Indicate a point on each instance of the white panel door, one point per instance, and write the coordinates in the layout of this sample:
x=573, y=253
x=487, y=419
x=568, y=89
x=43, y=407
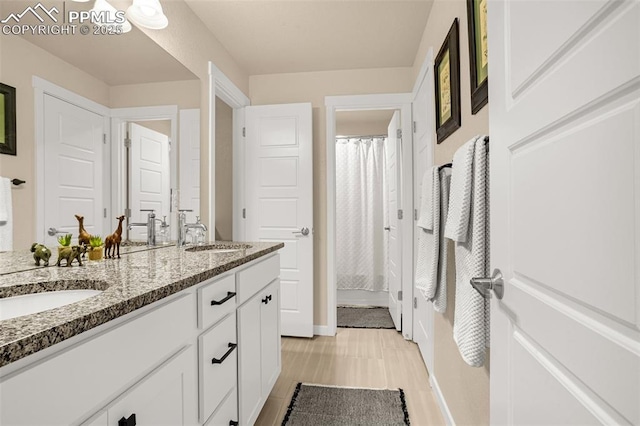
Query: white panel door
x=73, y=169
x=189, y=146
x=395, y=245
x=422, y=161
x=565, y=211
x=149, y=176
x=279, y=202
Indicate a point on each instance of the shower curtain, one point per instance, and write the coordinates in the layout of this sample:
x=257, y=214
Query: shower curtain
x=361, y=214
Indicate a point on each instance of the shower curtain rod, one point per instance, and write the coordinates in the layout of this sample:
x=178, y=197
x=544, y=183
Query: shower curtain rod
x=362, y=137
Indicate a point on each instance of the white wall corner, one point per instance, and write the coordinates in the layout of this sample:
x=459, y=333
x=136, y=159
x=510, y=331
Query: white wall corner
x=322, y=330
x=442, y=403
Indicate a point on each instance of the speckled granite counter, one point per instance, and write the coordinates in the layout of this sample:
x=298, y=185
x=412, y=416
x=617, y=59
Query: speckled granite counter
x=136, y=280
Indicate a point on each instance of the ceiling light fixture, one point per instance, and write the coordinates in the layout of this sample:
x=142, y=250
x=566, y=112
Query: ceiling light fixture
x=147, y=14
x=110, y=12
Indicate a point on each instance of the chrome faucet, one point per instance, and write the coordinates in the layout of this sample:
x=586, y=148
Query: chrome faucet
x=183, y=226
x=150, y=224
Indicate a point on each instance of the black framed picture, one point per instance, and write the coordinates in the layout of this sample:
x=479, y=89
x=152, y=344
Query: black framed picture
x=447, y=79
x=478, y=53
x=7, y=119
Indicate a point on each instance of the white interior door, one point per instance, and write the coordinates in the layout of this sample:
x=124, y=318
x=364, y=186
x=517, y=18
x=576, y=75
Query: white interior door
x=73, y=169
x=423, y=312
x=279, y=202
x=395, y=246
x=189, y=147
x=565, y=211
x=149, y=176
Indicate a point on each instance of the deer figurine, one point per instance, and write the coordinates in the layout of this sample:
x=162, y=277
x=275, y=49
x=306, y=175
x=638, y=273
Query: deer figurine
x=83, y=235
x=113, y=241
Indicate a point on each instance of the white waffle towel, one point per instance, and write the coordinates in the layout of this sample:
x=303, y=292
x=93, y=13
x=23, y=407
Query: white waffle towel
x=6, y=215
x=428, y=235
x=470, y=327
x=440, y=299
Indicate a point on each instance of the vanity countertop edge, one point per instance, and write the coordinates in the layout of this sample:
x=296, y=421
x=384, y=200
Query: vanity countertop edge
x=130, y=283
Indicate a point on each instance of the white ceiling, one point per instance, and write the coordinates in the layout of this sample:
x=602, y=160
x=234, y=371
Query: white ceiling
x=130, y=58
x=263, y=36
x=266, y=36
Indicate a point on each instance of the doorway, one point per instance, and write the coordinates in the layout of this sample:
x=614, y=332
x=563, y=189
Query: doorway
x=399, y=207
x=363, y=228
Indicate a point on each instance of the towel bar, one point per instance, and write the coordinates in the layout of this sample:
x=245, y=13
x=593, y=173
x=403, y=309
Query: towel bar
x=17, y=182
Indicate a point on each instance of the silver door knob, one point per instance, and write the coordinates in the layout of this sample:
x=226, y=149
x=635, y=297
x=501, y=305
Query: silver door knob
x=303, y=231
x=53, y=232
x=495, y=283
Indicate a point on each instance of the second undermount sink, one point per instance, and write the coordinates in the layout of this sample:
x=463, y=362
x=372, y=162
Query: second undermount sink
x=45, y=296
x=220, y=247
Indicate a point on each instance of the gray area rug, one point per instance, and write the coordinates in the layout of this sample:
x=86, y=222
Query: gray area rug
x=334, y=406
x=364, y=317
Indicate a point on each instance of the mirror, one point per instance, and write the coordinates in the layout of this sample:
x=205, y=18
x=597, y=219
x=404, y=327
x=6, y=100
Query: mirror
x=112, y=71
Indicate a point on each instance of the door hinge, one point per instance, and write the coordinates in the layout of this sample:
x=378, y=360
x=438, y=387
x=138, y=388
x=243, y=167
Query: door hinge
x=104, y=138
x=399, y=133
x=244, y=213
x=414, y=127
x=399, y=295
x=415, y=214
x=127, y=213
x=400, y=214
x=127, y=142
x=105, y=212
x=415, y=303
x=244, y=132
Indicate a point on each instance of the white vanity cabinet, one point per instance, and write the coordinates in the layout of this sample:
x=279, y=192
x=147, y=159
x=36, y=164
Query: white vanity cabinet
x=258, y=338
x=208, y=355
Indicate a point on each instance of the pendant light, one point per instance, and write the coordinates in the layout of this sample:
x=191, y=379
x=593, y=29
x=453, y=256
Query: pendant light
x=110, y=11
x=147, y=14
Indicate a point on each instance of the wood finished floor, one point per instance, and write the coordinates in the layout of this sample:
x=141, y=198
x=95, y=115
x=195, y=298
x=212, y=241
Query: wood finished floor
x=369, y=358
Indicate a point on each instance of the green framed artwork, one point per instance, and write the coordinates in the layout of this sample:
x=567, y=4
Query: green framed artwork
x=447, y=84
x=478, y=53
x=7, y=119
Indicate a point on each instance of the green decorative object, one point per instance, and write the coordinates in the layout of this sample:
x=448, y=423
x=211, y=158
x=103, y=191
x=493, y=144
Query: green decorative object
x=95, y=251
x=40, y=252
x=65, y=240
x=70, y=254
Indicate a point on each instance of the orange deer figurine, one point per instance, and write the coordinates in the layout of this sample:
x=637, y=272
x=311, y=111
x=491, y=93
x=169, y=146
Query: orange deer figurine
x=83, y=235
x=113, y=241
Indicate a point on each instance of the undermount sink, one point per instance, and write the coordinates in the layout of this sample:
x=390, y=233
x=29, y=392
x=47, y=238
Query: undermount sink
x=34, y=298
x=220, y=248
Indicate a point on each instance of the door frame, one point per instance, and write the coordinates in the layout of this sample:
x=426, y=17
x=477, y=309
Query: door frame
x=43, y=87
x=393, y=101
x=221, y=86
x=119, y=118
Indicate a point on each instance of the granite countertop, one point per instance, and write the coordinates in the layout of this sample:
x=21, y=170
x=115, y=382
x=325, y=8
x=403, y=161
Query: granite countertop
x=136, y=280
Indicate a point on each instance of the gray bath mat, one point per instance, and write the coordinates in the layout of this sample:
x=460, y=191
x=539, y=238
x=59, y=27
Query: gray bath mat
x=364, y=317
x=313, y=405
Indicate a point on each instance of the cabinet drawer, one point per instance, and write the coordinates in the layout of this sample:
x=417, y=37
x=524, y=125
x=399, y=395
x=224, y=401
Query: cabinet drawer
x=227, y=412
x=218, y=365
x=216, y=300
x=256, y=277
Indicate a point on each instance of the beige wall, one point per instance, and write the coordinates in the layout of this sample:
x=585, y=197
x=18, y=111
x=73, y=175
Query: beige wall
x=465, y=388
x=313, y=87
x=224, y=171
x=185, y=94
x=362, y=123
x=19, y=62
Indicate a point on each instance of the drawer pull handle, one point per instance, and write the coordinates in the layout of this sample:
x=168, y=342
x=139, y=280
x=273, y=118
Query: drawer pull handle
x=230, y=295
x=131, y=421
x=266, y=300
x=232, y=346
x=233, y=423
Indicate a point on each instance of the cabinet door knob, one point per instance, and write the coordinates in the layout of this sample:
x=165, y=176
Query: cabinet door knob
x=230, y=295
x=232, y=346
x=265, y=300
x=233, y=423
x=131, y=421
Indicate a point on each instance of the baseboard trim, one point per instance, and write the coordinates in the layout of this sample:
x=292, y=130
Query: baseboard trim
x=442, y=403
x=321, y=330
